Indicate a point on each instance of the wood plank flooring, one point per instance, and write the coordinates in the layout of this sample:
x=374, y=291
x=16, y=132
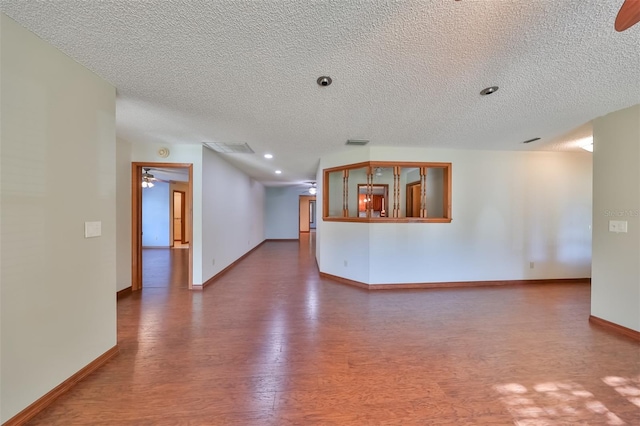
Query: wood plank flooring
x=271, y=343
x=165, y=267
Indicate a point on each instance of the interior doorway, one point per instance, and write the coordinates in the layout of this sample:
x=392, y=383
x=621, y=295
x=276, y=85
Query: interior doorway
x=306, y=213
x=413, y=199
x=179, y=222
x=312, y=214
x=186, y=214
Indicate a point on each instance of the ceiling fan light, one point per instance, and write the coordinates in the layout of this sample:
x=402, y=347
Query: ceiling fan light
x=313, y=190
x=146, y=181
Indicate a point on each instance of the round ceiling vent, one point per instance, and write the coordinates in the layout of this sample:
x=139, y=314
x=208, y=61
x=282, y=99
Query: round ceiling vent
x=163, y=152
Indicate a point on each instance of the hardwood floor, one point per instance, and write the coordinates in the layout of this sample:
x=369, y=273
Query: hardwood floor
x=165, y=267
x=271, y=343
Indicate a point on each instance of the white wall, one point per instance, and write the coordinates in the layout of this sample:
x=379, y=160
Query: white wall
x=615, y=285
x=355, y=176
x=509, y=209
x=335, y=195
x=58, y=308
x=123, y=215
x=319, y=212
x=344, y=250
x=435, y=192
x=155, y=215
x=233, y=213
x=281, y=212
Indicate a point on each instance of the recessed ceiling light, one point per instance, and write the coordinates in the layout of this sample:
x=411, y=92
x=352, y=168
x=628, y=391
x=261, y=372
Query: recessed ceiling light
x=268, y=156
x=489, y=90
x=531, y=140
x=324, y=80
x=278, y=172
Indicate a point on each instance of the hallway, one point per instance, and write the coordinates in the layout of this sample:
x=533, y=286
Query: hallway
x=271, y=343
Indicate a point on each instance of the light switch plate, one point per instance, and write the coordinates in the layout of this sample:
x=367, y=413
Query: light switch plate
x=617, y=226
x=92, y=229
x=622, y=226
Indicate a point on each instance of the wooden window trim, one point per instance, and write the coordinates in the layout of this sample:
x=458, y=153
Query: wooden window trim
x=372, y=165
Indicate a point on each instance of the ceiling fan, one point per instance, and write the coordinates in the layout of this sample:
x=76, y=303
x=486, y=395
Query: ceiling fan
x=313, y=190
x=310, y=188
x=147, y=178
x=628, y=16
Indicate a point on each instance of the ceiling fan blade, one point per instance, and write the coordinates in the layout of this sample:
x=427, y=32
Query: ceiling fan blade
x=628, y=16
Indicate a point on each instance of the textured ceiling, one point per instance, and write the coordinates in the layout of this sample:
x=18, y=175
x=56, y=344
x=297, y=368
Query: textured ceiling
x=405, y=73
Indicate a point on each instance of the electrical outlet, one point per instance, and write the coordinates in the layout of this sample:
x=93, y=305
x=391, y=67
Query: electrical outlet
x=531, y=265
x=213, y=261
x=346, y=263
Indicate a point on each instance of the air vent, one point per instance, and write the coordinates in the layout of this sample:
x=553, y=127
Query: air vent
x=357, y=142
x=531, y=140
x=229, y=148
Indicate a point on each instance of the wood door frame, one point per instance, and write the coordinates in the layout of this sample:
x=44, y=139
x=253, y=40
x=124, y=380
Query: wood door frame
x=183, y=211
x=304, y=200
x=409, y=198
x=136, y=219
